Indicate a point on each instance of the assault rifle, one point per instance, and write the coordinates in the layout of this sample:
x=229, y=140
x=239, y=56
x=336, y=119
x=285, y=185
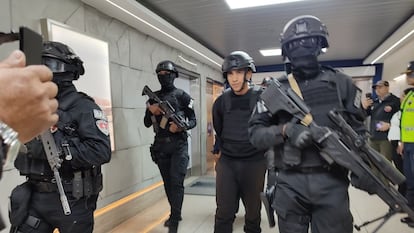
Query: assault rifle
x=55, y=163
x=169, y=111
x=345, y=148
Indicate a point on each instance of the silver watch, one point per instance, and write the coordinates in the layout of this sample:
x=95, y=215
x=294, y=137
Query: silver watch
x=11, y=144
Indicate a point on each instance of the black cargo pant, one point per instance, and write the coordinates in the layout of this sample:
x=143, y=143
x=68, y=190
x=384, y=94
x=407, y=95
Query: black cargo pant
x=235, y=180
x=316, y=199
x=172, y=160
x=46, y=214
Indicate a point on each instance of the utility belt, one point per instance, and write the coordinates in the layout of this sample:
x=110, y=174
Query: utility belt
x=335, y=170
x=49, y=187
x=163, y=139
x=308, y=170
x=169, y=139
x=83, y=184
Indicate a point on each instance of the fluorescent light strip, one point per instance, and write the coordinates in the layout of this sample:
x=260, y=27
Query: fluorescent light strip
x=166, y=34
x=271, y=52
x=400, y=78
x=237, y=4
x=393, y=46
x=189, y=62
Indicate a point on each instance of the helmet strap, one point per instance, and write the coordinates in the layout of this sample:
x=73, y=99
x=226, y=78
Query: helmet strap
x=244, y=81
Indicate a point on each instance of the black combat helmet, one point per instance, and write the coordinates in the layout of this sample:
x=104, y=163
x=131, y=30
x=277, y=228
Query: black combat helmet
x=307, y=31
x=237, y=60
x=168, y=66
x=61, y=59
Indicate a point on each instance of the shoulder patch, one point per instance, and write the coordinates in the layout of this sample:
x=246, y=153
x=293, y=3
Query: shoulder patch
x=103, y=126
x=191, y=104
x=261, y=107
x=101, y=121
x=357, y=99
x=99, y=114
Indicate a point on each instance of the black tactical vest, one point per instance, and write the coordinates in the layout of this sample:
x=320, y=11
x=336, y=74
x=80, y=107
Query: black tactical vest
x=34, y=164
x=321, y=95
x=237, y=111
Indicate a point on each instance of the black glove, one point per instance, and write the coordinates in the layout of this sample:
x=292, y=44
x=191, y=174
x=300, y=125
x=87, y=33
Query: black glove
x=298, y=135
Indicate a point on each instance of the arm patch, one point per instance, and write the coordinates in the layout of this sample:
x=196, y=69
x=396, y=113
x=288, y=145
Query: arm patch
x=357, y=99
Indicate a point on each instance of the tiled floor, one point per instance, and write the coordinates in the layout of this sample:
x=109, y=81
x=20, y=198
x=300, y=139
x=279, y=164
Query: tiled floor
x=198, y=216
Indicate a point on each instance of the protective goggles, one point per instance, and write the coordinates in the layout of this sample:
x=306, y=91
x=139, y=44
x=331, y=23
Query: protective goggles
x=307, y=42
x=55, y=65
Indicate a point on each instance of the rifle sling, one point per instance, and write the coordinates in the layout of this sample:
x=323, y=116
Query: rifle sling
x=307, y=120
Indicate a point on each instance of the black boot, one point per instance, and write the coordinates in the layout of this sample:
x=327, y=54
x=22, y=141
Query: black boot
x=172, y=227
x=168, y=221
x=408, y=221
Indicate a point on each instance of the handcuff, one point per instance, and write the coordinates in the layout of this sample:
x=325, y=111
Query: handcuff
x=9, y=145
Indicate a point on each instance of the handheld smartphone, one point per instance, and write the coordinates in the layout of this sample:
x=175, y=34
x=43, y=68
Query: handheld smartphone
x=368, y=95
x=31, y=45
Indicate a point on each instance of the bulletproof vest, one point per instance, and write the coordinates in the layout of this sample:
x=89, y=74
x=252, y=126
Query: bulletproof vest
x=237, y=112
x=321, y=95
x=34, y=163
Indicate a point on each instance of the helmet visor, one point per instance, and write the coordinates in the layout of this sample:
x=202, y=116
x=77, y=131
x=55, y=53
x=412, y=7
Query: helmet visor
x=54, y=65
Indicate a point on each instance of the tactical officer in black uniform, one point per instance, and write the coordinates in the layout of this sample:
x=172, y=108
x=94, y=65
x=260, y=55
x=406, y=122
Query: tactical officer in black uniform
x=83, y=143
x=241, y=167
x=308, y=190
x=170, y=148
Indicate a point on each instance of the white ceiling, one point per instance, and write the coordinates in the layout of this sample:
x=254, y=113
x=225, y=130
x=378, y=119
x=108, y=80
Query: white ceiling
x=356, y=27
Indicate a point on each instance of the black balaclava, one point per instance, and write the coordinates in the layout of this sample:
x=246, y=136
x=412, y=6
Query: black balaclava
x=166, y=81
x=63, y=81
x=306, y=67
x=304, y=61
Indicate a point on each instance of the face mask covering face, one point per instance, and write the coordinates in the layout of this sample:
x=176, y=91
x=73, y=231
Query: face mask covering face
x=303, y=56
x=305, y=67
x=166, y=81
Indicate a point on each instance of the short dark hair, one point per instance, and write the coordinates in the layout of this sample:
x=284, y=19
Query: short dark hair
x=408, y=90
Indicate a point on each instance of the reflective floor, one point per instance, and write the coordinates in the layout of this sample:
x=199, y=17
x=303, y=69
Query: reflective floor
x=198, y=216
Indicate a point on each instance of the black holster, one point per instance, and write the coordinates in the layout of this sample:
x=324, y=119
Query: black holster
x=19, y=204
x=153, y=153
x=87, y=183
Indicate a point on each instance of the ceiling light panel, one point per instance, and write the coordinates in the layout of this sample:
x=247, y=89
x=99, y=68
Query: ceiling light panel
x=271, y=52
x=237, y=4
